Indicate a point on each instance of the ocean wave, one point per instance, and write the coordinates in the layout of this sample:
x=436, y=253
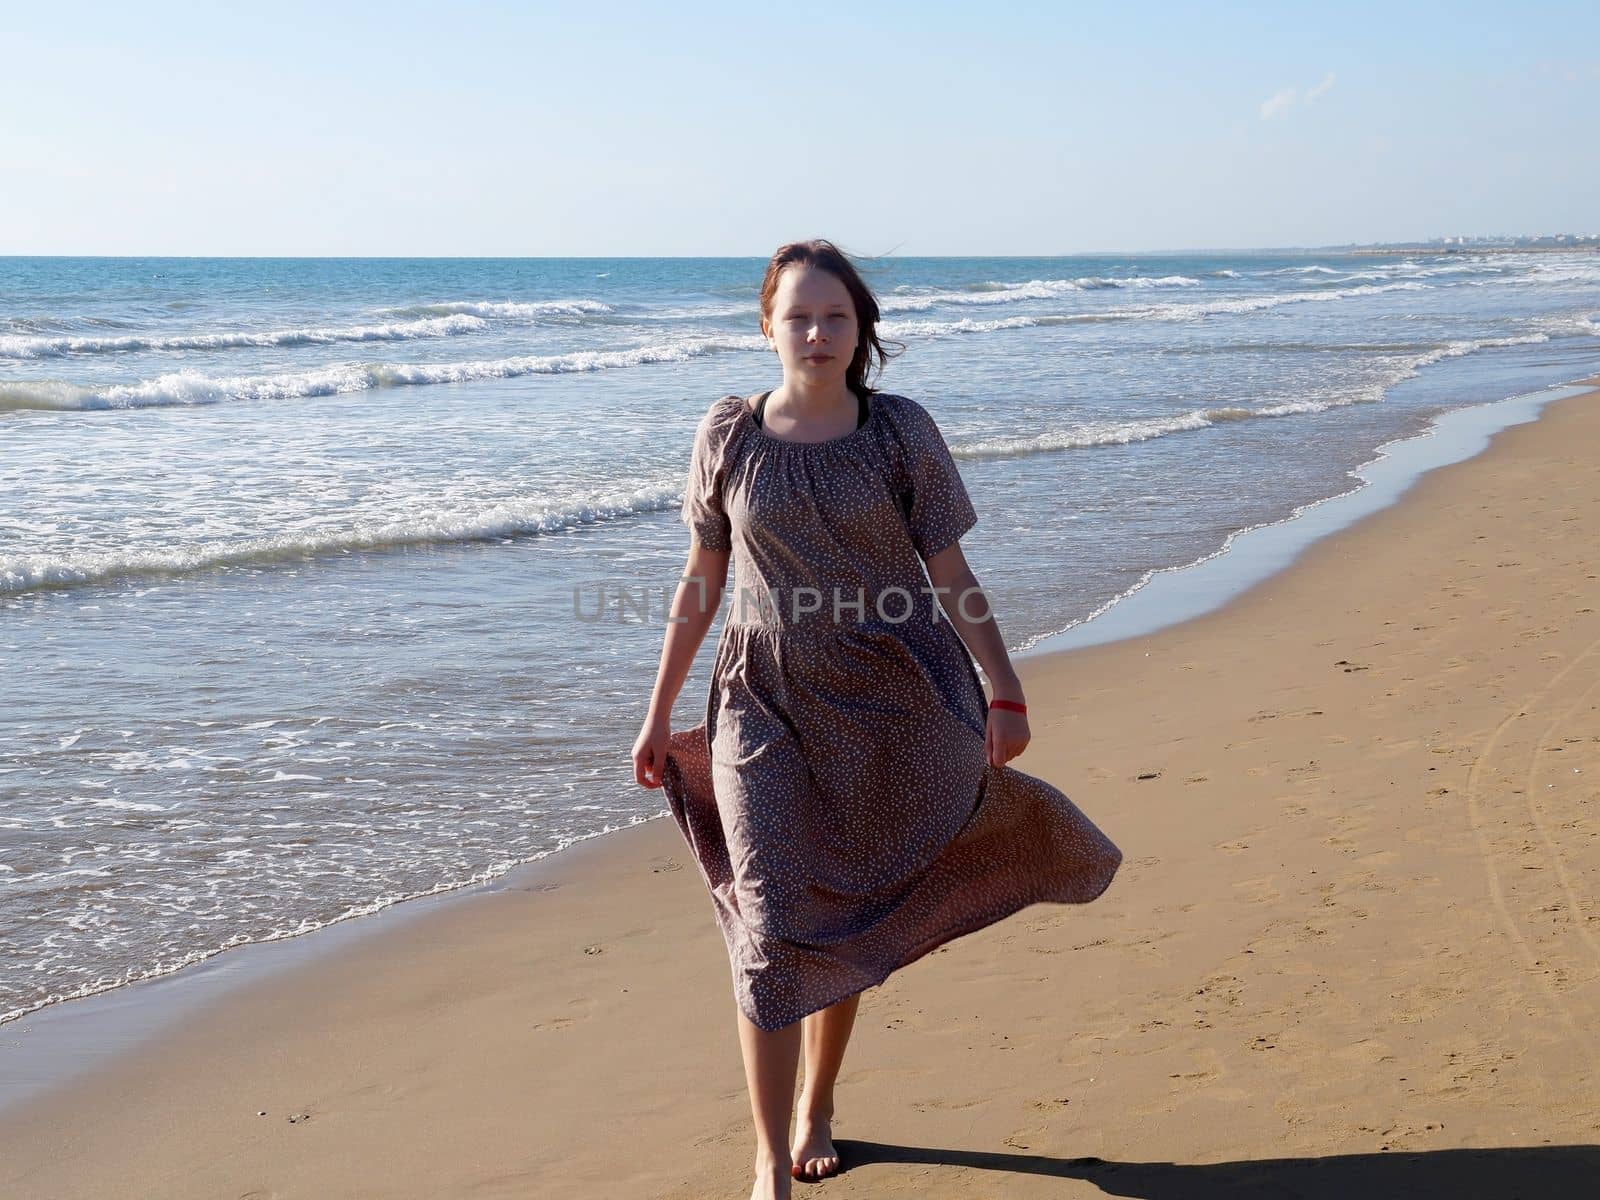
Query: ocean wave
x=1405, y=269
x=1575, y=325
x=520, y=309
x=1085, y=436
x=511, y=518
x=1463, y=348
x=1249, y=304
x=1410, y=269
x=13, y=346
x=1093, y=434
x=536, y=515
x=997, y=292
x=189, y=388
x=1426, y=272
x=935, y=329
x=1150, y=312
x=1562, y=273
x=1092, y=282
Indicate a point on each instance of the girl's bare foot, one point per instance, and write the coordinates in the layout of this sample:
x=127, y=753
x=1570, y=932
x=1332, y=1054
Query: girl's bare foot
x=772, y=1179
x=814, y=1154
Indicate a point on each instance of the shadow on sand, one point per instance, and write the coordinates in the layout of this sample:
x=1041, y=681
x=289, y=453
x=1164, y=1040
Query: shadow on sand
x=1538, y=1171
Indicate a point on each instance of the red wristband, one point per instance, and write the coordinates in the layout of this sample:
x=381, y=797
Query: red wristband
x=1009, y=705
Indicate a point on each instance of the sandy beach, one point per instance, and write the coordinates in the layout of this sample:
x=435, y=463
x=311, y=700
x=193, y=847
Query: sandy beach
x=1354, y=947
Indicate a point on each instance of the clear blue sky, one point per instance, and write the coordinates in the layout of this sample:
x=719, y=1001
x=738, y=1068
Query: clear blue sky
x=708, y=128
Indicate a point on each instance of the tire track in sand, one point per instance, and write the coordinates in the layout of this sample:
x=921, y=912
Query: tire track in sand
x=1486, y=850
x=1530, y=785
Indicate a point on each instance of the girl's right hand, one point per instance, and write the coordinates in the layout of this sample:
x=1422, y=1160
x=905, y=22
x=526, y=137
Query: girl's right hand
x=650, y=752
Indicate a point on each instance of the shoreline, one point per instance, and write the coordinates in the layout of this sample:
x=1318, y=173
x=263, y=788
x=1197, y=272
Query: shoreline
x=49, y=1049
x=1350, y=945
x=1252, y=555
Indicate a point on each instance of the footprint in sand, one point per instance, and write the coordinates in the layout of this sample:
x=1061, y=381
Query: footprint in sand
x=1367, y=1053
x=1258, y=891
x=937, y=1104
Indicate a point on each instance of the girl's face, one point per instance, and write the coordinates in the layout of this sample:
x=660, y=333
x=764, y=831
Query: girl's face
x=812, y=326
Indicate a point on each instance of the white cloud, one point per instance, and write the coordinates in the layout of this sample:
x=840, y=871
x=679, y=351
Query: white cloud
x=1278, y=104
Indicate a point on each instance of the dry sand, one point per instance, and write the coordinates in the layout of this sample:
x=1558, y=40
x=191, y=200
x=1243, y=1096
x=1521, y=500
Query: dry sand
x=1354, y=946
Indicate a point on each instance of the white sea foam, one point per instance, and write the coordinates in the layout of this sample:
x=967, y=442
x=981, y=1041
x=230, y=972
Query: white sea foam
x=124, y=805
x=1463, y=348
x=934, y=329
x=534, y=515
x=1137, y=281
x=1422, y=272
x=1091, y=434
x=1563, y=273
x=1569, y=326
x=998, y=292
x=1150, y=312
x=520, y=309
x=173, y=962
x=12, y=346
x=185, y=388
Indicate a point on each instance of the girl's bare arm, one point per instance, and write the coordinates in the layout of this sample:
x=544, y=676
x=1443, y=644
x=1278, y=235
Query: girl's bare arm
x=965, y=603
x=967, y=606
x=694, y=607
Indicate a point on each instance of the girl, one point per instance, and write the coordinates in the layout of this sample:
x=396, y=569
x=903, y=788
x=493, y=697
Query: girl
x=846, y=797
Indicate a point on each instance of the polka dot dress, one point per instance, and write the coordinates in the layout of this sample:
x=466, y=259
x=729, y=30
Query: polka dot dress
x=837, y=797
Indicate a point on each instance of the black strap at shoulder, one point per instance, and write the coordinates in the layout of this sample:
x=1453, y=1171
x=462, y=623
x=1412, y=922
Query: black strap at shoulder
x=862, y=409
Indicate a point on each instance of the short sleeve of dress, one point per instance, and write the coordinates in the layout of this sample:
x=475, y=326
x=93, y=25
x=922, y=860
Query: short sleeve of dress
x=702, y=509
x=939, y=511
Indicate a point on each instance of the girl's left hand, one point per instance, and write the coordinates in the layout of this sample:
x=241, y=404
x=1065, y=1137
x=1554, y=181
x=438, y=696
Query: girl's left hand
x=1006, y=737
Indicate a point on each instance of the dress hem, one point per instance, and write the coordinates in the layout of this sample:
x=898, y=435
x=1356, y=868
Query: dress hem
x=965, y=929
x=1068, y=878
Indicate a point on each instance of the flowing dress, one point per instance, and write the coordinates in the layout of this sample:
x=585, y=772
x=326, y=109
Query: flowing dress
x=837, y=797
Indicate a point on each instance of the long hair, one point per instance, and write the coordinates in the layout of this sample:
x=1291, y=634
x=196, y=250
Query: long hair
x=870, y=356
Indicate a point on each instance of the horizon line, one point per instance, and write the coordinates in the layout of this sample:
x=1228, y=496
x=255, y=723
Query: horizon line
x=1307, y=249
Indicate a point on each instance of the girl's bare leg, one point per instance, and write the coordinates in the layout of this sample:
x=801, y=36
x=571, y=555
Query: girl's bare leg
x=770, y=1062
x=827, y=1033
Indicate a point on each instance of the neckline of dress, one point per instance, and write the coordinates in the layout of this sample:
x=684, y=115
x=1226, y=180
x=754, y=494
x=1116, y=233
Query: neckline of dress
x=872, y=415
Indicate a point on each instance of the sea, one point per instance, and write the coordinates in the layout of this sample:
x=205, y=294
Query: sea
x=327, y=583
